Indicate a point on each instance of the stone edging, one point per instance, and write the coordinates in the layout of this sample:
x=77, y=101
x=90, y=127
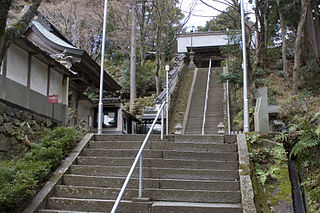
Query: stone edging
x=247, y=194
x=48, y=189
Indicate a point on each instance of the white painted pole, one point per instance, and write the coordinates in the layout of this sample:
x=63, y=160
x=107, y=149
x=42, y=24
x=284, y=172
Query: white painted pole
x=244, y=66
x=167, y=98
x=100, y=106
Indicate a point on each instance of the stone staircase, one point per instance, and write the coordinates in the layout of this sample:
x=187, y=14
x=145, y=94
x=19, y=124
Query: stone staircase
x=195, y=116
x=182, y=174
x=214, y=113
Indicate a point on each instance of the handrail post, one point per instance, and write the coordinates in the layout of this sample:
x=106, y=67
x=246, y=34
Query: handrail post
x=135, y=162
x=206, y=99
x=140, y=175
x=167, y=98
x=162, y=117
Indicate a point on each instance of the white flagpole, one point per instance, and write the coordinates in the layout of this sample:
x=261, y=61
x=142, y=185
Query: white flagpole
x=100, y=106
x=244, y=66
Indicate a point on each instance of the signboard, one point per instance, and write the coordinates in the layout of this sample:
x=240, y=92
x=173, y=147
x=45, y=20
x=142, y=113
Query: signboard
x=53, y=99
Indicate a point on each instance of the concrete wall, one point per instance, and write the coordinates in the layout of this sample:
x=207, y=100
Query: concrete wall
x=16, y=93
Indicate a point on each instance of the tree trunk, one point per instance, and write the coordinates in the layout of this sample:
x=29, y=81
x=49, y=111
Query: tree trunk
x=9, y=33
x=133, y=84
x=159, y=26
x=297, y=47
x=142, y=32
x=284, y=43
x=257, y=57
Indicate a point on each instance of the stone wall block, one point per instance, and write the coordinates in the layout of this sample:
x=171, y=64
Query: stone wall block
x=10, y=111
x=1, y=119
x=16, y=122
x=2, y=129
x=9, y=128
x=36, y=127
x=2, y=107
x=37, y=118
x=17, y=113
x=23, y=115
x=4, y=143
x=48, y=123
x=6, y=118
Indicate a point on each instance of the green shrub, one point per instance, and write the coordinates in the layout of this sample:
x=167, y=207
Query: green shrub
x=19, y=178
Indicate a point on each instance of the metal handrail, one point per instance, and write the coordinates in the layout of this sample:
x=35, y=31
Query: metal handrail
x=140, y=157
x=206, y=99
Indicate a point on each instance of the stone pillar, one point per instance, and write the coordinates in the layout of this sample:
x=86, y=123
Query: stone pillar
x=261, y=114
x=191, y=64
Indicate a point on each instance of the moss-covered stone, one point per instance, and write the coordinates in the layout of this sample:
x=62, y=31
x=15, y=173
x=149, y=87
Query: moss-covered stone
x=270, y=176
x=179, y=98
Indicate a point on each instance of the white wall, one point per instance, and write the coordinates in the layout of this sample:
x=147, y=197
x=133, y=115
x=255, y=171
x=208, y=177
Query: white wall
x=17, y=64
x=56, y=86
x=201, y=41
x=39, y=76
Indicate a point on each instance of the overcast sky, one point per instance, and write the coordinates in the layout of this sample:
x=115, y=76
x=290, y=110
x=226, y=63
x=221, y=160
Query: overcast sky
x=201, y=13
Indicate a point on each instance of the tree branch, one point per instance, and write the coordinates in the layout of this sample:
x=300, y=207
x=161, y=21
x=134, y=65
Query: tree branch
x=16, y=29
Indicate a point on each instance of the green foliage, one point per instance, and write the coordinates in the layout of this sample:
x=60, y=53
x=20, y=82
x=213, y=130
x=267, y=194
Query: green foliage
x=270, y=176
x=311, y=184
x=19, y=178
x=223, y=21
x=145, y=77
x=91, y=93
x=142, y=103
x=267, y=160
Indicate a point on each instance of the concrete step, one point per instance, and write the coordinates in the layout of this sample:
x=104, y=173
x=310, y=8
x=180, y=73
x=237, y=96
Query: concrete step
x=107, y=137
x=218, y=156
x=153, y=194
x=167, y=154
x=194, y=146
x=176, y=173
x=159, y=163
x=116, y=182
x=60, y=211
x=189, y=207
x=125, y=145
x=121, y=152
x=200, y=138
x=96, y=205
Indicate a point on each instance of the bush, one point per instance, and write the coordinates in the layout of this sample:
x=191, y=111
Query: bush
x=19, y=178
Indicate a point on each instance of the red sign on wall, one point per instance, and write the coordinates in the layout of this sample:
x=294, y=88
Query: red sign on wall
x=53, y=99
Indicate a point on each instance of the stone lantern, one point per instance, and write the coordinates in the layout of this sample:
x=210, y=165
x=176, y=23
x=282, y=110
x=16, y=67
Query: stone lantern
x=221, y=128
x=178, y=129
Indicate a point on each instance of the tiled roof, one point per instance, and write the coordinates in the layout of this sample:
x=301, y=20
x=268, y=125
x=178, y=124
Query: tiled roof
x=51, y=36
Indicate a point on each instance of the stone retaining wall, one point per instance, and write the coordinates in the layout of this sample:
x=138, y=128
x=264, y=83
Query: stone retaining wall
x=17, y=122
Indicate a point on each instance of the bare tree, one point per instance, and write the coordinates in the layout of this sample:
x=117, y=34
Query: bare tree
x=9, y=32
x=79, y=20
